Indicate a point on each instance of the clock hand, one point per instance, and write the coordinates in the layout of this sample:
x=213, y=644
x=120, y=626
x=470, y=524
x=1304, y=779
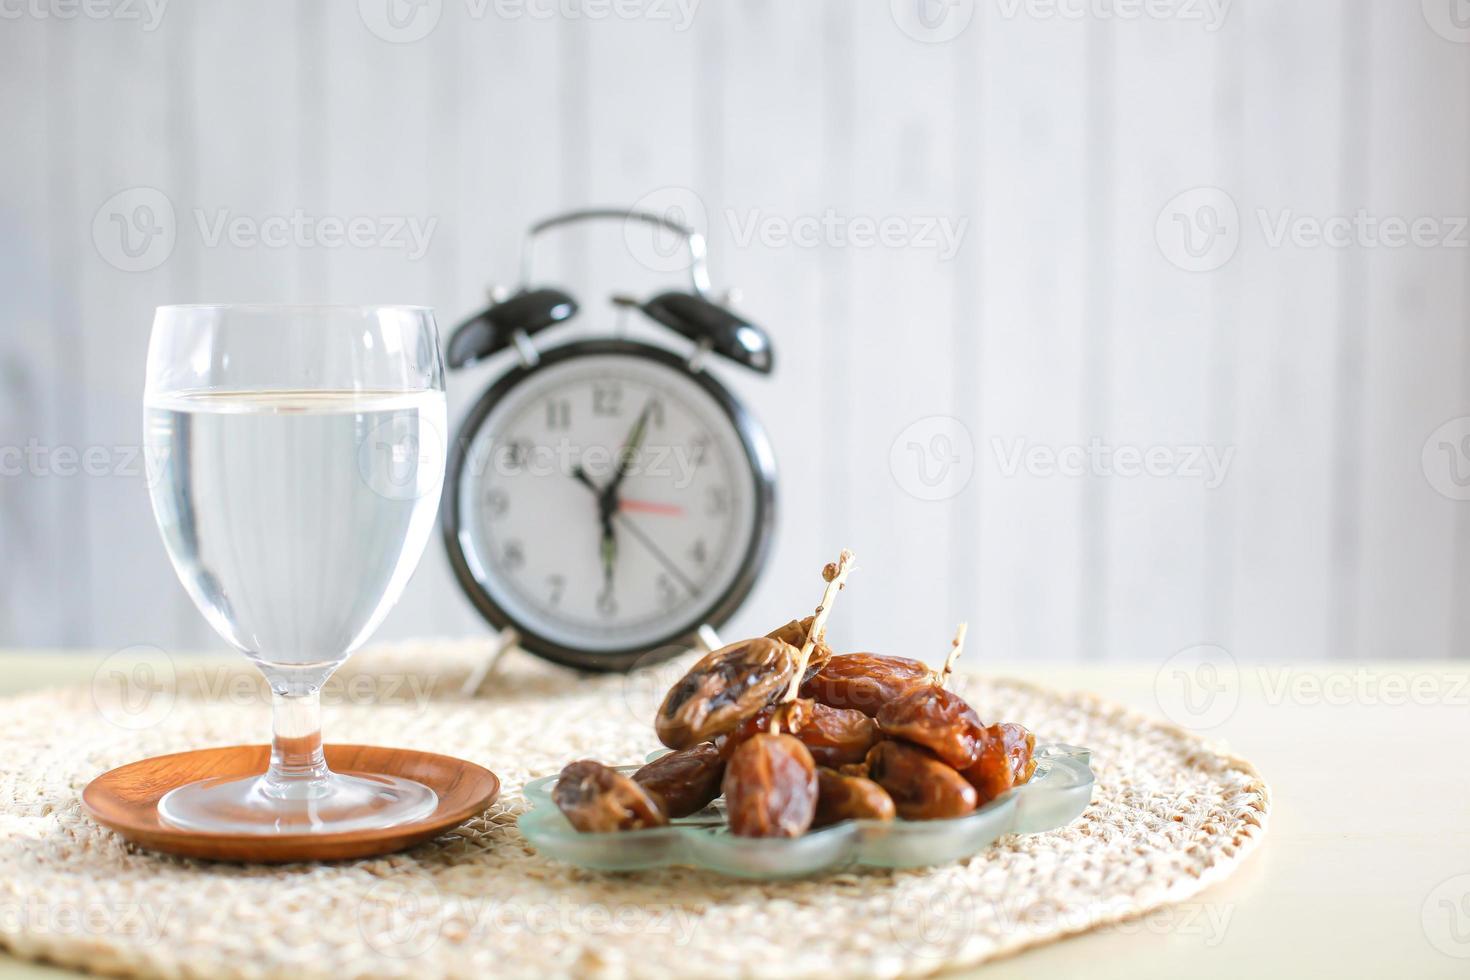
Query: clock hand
x=663, y=559
x=649, y=507
x=580, y=475
x=608, y=545
x=629, y=450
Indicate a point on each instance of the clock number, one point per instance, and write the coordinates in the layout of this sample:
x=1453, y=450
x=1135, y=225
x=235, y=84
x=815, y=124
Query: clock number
x=656, y=412
x=607, y=400
x=666, y=591
x=699, y=554
x=517, y=455
x=718, y=501
x=514, y=555
x=607, y=604
x=698, y=451
x=496, y=502
x=557, y=585
x=558, y=414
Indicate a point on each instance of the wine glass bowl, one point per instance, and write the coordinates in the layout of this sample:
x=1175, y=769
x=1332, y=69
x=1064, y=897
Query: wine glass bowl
x=297, y=458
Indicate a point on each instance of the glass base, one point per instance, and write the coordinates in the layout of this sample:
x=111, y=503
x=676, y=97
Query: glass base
x=331, y=804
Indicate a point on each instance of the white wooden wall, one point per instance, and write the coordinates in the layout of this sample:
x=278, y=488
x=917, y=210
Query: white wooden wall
x=1059, y=139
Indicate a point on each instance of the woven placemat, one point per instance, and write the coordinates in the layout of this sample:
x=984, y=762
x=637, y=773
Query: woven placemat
x=1171, y=814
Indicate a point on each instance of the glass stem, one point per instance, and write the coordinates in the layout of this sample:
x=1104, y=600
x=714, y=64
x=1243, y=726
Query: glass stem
x=298, y=770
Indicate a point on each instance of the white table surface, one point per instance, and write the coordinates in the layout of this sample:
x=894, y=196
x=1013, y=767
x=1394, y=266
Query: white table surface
x=1365, y=870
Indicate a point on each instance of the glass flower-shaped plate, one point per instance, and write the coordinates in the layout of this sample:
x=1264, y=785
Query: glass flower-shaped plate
x=1055, y=795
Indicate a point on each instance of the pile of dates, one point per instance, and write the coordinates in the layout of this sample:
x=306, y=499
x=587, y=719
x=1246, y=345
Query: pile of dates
x=861, y=737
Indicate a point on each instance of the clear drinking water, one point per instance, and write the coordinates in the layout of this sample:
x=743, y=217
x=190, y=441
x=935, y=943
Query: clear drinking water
x=295, y=518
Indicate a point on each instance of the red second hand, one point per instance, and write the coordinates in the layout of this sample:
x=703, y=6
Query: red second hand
x=650, y=507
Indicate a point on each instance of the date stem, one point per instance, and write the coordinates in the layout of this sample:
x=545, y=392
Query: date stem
x=836, y=576
x=956, y=647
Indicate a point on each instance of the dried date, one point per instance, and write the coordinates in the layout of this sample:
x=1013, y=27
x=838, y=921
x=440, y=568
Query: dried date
x=841, y=797
x=865, y=681
x=834, y=736
x=1005, y=760
x=687, y=780
x=770, y=787
x=723, y=689
x=922, y=787
x=938, y=719
x=596, y=799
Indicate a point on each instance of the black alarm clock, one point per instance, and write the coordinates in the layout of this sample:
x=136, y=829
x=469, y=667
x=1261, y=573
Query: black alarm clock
x=609, y=502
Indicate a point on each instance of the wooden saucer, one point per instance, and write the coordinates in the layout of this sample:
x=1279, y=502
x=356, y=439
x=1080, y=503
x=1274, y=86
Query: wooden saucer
x=125, y=799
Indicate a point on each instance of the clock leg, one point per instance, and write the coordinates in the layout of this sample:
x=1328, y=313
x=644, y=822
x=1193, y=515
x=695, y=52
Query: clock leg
x=505, y=641
x=707, y=639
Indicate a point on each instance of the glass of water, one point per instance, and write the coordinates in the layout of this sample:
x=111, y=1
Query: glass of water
x=297, y=454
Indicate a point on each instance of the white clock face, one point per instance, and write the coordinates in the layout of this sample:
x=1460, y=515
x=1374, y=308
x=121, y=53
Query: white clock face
x=607, y=502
